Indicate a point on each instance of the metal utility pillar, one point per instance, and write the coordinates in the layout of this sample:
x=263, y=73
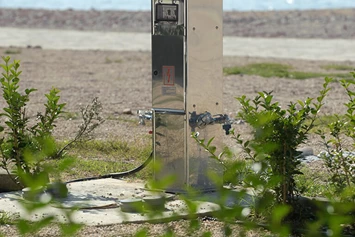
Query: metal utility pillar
x=187, y=52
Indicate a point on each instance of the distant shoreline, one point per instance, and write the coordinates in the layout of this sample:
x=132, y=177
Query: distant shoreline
x=128, y=10
x=326, y=24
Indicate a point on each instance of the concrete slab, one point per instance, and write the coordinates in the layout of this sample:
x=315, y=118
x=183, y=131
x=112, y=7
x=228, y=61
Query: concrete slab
x=307, y=49
x=310, y=49
x=75, y=40
x=9, y=182
x=98, y=203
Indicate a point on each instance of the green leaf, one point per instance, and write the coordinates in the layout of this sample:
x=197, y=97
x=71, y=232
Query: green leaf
x=279, y=213
x=212, y=149
x=9, y=124
x=28, y=91
x=210, y=141
x=5, y=68
x=207, y=234
x=15, y=80
x=26, y=227
x=70, y=229
x=141, y=233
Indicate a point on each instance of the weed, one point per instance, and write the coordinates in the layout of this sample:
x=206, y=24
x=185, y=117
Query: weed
x=278, y=70
x=91, y=120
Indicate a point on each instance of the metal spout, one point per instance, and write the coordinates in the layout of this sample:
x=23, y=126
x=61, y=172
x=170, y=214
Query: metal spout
x=205, y=119
x=144, y=115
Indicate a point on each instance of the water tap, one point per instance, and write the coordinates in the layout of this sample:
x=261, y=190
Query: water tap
x=205, y=119
x=144, y=115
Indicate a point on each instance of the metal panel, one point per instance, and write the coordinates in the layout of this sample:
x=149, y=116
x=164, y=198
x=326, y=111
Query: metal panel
x=204, y=56
x=169, y=142
x=204, y=89
x=168, y=70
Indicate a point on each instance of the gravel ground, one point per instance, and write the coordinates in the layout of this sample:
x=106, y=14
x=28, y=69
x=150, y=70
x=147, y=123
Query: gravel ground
x=179, y=228
x=123, y=79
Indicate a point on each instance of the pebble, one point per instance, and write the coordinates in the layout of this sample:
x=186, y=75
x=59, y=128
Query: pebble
x=127, y=111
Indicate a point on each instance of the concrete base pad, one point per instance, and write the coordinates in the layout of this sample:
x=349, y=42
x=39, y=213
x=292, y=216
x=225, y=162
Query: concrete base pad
x=97, y=202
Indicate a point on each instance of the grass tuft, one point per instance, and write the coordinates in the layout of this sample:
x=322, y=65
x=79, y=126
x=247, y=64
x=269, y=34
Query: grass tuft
x=314, y=183
x=109, y=60
x=6, y=218
x=338, y=67
x=96, y=157
x=12, y=51
x=261, y=69
x=279, y=70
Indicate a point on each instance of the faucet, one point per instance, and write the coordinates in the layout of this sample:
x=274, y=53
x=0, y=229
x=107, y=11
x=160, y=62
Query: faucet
x=205, y=119
x=144, y=115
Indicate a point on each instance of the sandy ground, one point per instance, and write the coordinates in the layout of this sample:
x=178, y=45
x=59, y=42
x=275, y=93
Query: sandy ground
x=123, y=79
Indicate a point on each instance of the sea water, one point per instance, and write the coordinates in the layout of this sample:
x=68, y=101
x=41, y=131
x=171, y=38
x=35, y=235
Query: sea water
x=138, y=5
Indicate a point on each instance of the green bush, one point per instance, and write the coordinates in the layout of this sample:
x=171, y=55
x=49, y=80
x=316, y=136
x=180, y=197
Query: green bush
x=277, y=133
x=21, y=139
x=25, y=146
x=339, y=157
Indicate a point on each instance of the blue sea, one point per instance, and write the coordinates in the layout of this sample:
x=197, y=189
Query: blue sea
x=138, y=5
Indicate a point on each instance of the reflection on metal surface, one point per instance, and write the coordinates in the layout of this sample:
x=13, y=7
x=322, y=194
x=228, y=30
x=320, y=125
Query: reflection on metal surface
x=170, y=148
x=168, y=17
x=201, y=166
x=204, y=89
x=168, y=70
x=167, y=12
x=144, y=115
x=204, y=119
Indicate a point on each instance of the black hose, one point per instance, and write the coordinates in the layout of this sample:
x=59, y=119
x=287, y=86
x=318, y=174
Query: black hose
x=117, y=175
